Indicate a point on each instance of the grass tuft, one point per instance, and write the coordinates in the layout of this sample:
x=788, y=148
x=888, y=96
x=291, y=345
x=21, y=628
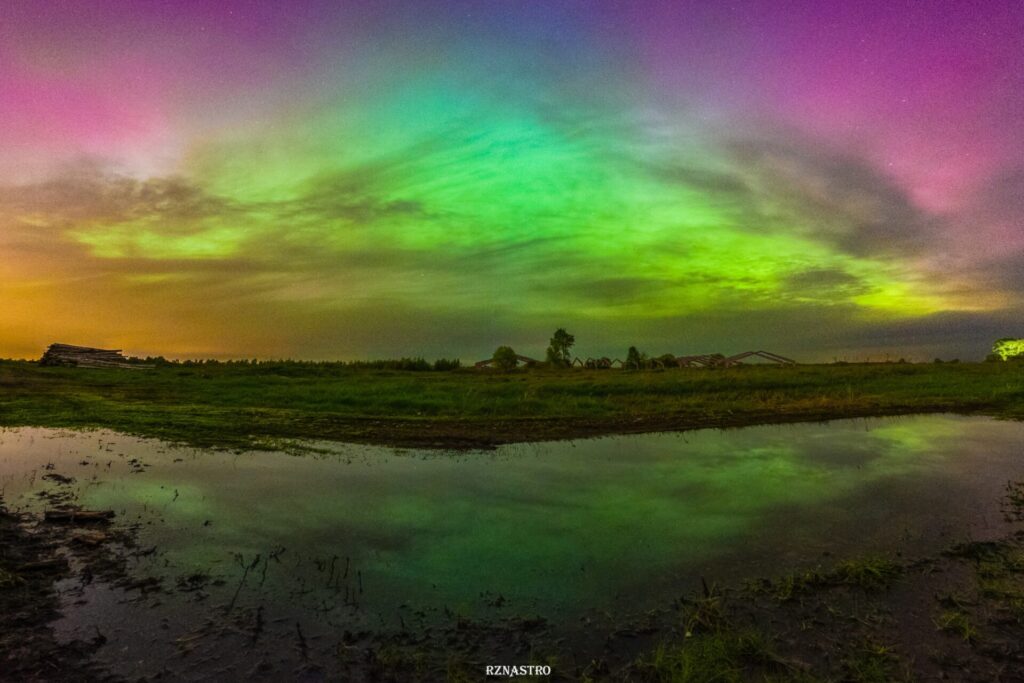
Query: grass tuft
x=724, y=656
x=958, y=622
x=868, y=573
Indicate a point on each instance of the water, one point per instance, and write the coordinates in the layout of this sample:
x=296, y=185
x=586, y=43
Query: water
x=370, y=539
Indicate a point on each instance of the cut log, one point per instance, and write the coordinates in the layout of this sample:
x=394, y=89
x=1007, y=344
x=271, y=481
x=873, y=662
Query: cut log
x=89, y=537
x=74, y=516
x=43, y=565
x=87, y=357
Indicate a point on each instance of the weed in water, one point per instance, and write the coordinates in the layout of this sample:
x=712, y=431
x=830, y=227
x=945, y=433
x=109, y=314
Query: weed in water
x=706, y=613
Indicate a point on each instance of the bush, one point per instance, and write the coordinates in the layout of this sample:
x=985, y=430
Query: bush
x=505, y=358
x=1008, y=348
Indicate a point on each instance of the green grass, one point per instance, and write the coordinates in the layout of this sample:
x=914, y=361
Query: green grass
x=868, y=573
x=715, y=649
x=957, y=622
x=240, y=405
x=873, y=663
x=724, y=655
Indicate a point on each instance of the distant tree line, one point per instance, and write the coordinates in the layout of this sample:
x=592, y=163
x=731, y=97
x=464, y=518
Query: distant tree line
x=559, y=355
x=408, y=364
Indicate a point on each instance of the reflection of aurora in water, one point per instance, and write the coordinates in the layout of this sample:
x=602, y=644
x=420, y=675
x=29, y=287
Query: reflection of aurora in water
x=559, y=528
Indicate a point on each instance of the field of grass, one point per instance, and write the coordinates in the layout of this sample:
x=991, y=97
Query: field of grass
x=239, y=405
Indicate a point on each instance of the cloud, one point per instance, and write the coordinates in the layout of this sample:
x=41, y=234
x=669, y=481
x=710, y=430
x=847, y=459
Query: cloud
x=825, y=284
x=767, y=237
x=833, y=197
x=88, y=194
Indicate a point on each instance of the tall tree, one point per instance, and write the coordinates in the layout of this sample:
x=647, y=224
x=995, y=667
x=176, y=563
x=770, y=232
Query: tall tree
x=559, y=347
x=634, y=358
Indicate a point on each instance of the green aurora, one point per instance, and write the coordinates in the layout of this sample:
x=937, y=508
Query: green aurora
x=438, y=182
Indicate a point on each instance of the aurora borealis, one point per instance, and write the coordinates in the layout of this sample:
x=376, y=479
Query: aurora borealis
x=353, y=179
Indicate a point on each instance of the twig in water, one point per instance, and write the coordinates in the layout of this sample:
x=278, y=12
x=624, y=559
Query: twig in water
x=303, y=648
x=258, y=629
x=245, y=574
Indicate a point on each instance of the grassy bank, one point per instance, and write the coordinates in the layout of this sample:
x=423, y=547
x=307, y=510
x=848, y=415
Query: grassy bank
x=957, y=615
x=243, y=405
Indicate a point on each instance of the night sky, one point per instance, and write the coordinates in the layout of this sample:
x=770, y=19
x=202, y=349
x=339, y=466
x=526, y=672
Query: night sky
x=368, y=179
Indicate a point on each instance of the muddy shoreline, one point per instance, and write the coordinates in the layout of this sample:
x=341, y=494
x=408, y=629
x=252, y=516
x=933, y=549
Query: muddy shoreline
x=465, y=435
x=33, y=558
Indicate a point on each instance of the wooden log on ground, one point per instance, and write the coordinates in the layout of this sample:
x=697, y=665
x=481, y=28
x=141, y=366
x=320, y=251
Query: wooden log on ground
x=75, y=516
x=87, y=357
x=43, y=565
x=89, y=537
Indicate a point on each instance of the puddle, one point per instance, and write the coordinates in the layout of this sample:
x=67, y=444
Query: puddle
x=267, y=562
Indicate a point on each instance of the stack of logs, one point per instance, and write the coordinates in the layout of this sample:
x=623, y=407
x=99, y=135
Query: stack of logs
x=86, y=357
